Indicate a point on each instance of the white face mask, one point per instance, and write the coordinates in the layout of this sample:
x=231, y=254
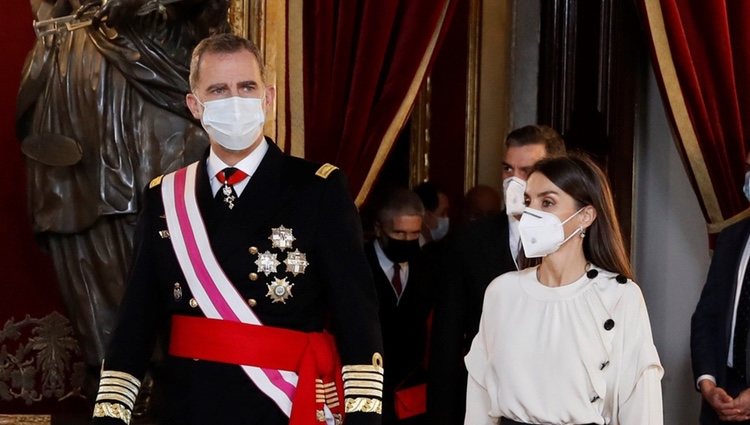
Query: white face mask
x=542, y=232
x=234, y=122
x=746, y=187
x=514, y=188
x=439, y=232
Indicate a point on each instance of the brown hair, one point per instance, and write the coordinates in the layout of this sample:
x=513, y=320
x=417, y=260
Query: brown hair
x=578, y=176
x=537, y=134
x=222, y=43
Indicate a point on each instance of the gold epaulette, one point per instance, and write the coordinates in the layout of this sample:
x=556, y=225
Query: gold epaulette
x=325, y=170
x=363, y=386
x=155, y=182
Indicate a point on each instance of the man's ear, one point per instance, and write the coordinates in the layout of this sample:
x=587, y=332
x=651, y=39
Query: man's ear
x=194, y=105
x=268, y=100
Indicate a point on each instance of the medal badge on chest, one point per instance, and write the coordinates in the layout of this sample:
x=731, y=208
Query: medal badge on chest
x=267, y=263
x=296, y=262
x=229, y=198
x=281, y=238
x=279, y=291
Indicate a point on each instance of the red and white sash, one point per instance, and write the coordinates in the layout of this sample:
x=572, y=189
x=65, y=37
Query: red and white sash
x=216, y=296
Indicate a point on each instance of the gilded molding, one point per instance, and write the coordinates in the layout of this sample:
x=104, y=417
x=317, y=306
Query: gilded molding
x=25, y=419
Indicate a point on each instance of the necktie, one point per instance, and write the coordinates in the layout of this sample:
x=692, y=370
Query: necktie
x=396, y=279
x=229, y=177
x=742, y=326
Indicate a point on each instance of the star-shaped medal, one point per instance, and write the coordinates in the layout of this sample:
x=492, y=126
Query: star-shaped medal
x=296, y=262
x=281, y=238
x=279, y=291
x=267, y=263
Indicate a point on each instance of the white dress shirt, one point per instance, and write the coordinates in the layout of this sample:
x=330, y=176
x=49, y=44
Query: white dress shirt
x=248, y=165
x=387, y=265
x=514, y=238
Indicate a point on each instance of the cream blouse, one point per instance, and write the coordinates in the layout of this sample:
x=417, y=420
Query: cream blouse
x=575, y=354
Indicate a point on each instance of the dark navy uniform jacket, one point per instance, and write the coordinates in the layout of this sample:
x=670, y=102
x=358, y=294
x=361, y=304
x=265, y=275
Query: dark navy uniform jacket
x=336, y=290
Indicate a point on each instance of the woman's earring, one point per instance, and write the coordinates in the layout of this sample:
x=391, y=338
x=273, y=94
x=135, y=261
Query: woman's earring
x=583, y=232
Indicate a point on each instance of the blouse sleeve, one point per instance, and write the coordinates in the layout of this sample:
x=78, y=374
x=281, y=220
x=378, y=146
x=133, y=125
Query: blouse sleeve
x=644, y=405
x=478, y=402
x=640, y=381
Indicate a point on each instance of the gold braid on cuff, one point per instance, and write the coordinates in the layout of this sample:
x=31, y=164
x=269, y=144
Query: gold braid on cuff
x=112, y=410
x=363, y=404
x=364, y=380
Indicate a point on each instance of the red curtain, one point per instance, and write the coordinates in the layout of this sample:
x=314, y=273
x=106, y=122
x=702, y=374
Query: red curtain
x=701, y=56
x=363, y=64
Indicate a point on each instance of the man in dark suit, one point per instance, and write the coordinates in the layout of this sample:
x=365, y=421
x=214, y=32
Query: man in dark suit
x=401, y=282
x=473, y=257
x=719, y=328
x=242, y=259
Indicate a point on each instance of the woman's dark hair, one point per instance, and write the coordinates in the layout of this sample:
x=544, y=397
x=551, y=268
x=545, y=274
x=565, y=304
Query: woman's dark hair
x=578, y=176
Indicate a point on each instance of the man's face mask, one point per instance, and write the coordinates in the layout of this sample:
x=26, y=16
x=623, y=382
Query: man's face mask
x=439, y=232
x=235, y=122
x=514, y=188
x=400, y=251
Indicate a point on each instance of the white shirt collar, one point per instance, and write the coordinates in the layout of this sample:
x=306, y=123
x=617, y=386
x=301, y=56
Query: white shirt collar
x=514, y=238
x=248, y=165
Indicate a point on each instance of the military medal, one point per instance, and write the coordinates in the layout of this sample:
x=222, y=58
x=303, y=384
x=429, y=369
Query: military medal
x=177, y=291
x=296, y=262
x=279, y=291
x=228, y=197
x=281, y=238
x=267, y=263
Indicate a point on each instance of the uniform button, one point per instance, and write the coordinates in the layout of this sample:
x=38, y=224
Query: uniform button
x=253, y=250
x=253, y=276
x=592, y=273
x=251, y=302
x=621, y=279
x=193, y=303
x=609, y=324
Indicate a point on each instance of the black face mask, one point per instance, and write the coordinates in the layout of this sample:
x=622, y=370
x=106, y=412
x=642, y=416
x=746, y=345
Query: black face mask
x=400, y=251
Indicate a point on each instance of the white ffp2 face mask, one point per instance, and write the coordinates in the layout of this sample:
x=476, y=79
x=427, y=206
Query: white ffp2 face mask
x=514, y=189
x=439, y=232
x=542, y=233
x=234, y=122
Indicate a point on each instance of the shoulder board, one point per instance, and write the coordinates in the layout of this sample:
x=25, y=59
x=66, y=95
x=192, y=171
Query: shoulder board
x=155, y=182
x=325, y=170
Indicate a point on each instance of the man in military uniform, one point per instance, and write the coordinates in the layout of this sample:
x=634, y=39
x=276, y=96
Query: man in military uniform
x=241, y=261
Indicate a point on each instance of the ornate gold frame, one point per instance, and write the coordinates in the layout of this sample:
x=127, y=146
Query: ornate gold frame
x=25, y=419
x=419, y=161
x=264, y=22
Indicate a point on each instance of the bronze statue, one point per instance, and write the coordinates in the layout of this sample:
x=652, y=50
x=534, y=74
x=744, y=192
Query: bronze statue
x=101, y=111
